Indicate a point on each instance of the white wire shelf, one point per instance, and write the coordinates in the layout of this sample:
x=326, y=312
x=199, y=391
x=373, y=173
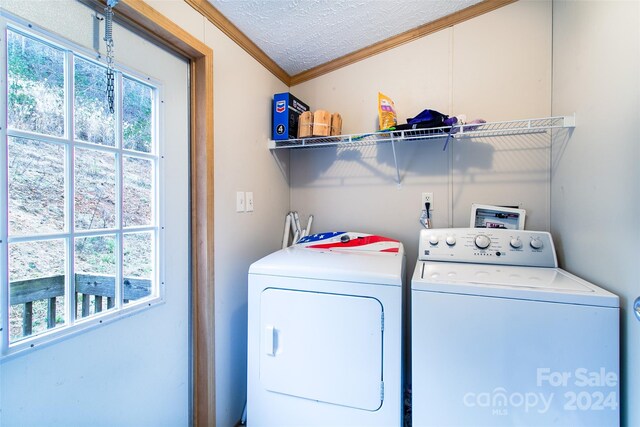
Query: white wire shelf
x=513, y=127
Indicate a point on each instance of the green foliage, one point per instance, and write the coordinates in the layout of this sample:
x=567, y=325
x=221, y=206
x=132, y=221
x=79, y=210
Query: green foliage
x=93, y=120
x=136, y=115
x=36, y=97
x=36, y=85
x=34, y=60
x=96, y=255
x=36, y=102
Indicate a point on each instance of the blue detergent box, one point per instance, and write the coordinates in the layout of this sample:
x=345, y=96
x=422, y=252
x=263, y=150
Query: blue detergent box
x=286, y=111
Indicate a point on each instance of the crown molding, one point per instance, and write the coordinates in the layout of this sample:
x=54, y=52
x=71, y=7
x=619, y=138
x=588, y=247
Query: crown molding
x=402, y=38
x=219, y=20
x=216, y=18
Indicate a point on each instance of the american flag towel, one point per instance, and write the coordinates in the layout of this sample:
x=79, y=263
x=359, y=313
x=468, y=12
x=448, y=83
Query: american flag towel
x=343, y=240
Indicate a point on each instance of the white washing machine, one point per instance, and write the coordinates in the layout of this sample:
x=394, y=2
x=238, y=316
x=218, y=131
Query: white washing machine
x=502, y=337
x=325, y=333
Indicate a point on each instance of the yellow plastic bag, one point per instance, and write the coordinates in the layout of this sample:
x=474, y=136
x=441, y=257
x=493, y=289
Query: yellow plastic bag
x=386, y=112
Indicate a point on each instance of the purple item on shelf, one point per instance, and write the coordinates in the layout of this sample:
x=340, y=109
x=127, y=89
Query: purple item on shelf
x=450, y=121
x=432, y=117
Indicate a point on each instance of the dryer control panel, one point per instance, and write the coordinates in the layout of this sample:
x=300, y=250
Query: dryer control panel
x=488, y=246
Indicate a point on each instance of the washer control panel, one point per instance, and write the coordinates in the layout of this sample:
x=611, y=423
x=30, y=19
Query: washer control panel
x=488, y=246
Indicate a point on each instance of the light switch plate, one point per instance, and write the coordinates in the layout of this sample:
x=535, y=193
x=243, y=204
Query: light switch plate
x=240, y=202
x=249, y=201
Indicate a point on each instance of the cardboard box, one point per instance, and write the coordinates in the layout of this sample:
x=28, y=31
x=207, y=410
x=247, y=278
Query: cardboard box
x=286, y=110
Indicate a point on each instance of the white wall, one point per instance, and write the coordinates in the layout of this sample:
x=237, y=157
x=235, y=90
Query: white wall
x=133, y=371
x=496, y=67
x=596, y=177
x=243, y=90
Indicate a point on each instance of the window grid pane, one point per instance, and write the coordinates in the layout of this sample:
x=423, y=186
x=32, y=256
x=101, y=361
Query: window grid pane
x=95, y=189
x=93, y=121
x=36, y=186
x=36, y=287
x=137, y=192
x=137, y=112
x=95, y=274
x=138, y=266
x=35, y=85
x=108, y=188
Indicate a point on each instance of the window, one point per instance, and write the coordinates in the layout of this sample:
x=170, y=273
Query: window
x=81, y=235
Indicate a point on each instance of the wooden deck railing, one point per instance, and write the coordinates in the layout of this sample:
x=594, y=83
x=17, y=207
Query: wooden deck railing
x=26, y=292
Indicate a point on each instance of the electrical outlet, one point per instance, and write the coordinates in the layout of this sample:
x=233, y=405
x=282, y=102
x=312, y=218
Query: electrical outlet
x=427, y=198
x=240, y=202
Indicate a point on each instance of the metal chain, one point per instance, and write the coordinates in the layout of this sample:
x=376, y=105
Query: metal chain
x=111, y=92
x=108, y=38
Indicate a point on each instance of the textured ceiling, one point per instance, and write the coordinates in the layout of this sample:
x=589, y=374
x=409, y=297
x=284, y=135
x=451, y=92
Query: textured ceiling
x=302, y=34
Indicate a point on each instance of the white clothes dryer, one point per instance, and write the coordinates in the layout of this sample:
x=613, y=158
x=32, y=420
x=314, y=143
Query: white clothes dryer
x=325, y=333
x=501, y=336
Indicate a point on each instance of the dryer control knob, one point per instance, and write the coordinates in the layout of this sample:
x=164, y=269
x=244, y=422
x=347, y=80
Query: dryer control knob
x=433, y=239
x=516, y=243
x=536, y=243
x=451, y=240
x=482, y=241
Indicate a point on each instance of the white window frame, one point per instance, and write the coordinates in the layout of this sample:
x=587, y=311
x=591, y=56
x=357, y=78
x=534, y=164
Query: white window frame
x=73, y=325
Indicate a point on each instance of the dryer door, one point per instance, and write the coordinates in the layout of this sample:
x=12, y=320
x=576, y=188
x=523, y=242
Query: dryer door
x=324, y=347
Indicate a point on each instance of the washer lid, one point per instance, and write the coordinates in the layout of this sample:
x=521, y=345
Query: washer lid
x=531, y=283
x=363, y=258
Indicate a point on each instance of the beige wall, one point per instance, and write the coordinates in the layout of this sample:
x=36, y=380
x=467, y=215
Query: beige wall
x=496, y=67
x=596, y=177
x=243, y=90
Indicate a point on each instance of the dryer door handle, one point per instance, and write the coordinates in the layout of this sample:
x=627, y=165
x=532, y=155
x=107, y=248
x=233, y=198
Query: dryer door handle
x=270, y=340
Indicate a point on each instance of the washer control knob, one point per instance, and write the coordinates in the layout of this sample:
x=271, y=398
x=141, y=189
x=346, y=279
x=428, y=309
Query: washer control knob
x=482, y=241
x=515, y=243
x=451, y=240
x=433, y=239
x=536, y=243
